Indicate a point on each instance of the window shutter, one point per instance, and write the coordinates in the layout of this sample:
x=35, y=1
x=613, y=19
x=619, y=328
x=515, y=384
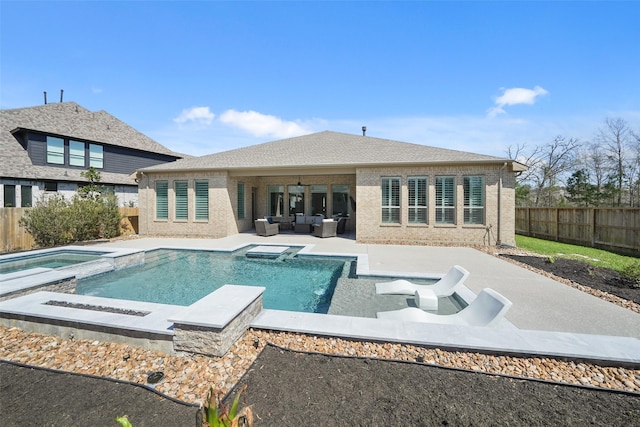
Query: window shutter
x=182, y=202
x=162, y=200
x=241, y=200
x=202, y=200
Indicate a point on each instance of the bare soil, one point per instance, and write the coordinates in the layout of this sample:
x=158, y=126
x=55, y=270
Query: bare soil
x=286, y=388
x=599, y=278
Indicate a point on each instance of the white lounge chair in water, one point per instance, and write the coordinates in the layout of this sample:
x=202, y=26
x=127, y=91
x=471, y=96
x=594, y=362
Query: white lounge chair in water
x=487, y=309
x=442, y=288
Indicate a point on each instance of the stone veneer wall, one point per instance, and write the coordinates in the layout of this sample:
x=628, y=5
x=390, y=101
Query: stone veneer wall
x=66, y=286
x=212, y=341
x=370, y=229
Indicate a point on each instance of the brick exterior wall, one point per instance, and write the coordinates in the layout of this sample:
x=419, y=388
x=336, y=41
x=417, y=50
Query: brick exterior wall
x=370, y=228
x=364, y=187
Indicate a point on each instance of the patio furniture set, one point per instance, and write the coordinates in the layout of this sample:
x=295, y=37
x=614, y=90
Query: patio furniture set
x=316, y=225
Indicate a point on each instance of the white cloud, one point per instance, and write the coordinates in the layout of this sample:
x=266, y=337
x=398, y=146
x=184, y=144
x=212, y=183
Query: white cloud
x=258, y=124
x=515, y=96
x=96, y=90
x=200, y=115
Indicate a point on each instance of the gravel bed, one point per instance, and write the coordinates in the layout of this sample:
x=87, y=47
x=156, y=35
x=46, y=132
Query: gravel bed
x=188, y=377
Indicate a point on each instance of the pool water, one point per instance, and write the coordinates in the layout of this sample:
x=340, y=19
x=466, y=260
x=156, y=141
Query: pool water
x=55, y=259
x=182, y=277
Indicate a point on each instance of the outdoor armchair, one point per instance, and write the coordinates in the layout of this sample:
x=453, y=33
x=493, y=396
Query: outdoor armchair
x=326, y=228
x=263, y=228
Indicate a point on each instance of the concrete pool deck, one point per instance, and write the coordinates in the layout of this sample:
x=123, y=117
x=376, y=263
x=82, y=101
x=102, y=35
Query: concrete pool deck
x=539, y=303
x=547, y=318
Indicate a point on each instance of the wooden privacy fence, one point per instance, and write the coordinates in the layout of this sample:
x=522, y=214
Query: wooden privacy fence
x=13, y=237
x=615, y=229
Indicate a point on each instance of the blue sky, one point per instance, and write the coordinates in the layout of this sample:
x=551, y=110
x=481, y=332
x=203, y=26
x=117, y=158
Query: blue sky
x=202, y=77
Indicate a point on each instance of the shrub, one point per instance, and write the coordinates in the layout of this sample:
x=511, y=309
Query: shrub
x=48, y=221
x=631, y=272
x=55, y=221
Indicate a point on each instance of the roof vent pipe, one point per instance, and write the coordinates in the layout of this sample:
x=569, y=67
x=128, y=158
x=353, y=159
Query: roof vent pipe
x=45, y=96
x=61, y=92
x=364, y=131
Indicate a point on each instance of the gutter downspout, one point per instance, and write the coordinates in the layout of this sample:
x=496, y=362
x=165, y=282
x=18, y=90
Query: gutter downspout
x=498, y=238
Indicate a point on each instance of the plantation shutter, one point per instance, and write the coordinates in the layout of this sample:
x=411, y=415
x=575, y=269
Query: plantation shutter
x=241, y=200
x=202, y=200
x=417, y=200
x=391, y=200
x=473, y=200
x=162, y=200
x=182, y=201
x=445, y=200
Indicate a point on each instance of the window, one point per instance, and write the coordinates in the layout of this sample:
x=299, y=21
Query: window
x=445, y=200
x=202, y=200
x=76, y=153
x=26, y=198
x=417, y=187
x=96, y=156
x=391, y=200
x=340, y=199
x=182, y=199
x=319, y=200
x=162, y=200
x=296, y=199
x=276, y=200
x=473, y=200
x=241, y=200
x=50, y=186
x=9, y=196
x=55, y=150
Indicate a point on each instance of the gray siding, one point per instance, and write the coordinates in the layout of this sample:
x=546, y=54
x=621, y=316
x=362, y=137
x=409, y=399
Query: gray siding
x=115, y=159
x=37, y=149
x=121, y=160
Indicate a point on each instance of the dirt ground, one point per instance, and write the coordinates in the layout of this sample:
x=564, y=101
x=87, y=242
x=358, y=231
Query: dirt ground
x=603, y=279
x=285, y=388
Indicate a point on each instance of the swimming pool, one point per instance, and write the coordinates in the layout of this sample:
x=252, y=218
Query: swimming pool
x=182, y=277
x=50, y=259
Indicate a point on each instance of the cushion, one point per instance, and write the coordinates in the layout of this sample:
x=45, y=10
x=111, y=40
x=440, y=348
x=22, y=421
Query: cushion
x=270, y=220
x=261, y=219
x=327, y=220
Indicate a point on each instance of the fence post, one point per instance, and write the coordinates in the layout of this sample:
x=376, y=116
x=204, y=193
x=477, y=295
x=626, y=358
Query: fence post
x=593, y=227
x=557, y=223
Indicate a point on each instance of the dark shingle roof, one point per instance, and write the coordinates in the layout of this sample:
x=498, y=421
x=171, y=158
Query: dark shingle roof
x=71, y=120
x=326, y=149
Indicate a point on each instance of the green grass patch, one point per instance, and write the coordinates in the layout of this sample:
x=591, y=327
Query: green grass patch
x=596, y=257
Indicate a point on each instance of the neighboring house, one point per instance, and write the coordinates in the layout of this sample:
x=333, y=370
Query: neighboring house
x=46, y=148
x=392, y=192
